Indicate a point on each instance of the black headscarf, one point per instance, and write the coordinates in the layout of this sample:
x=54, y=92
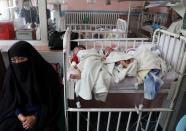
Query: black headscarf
x=34, y=81
x=2, y=71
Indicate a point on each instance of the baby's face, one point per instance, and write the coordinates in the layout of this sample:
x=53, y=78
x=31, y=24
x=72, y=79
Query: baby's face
x=108, y=49
x=76, y=49
x=125, y=63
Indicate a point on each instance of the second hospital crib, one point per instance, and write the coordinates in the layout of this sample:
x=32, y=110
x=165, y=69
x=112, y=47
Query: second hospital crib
x=96, y=24
x=147, y=21
x=115, y=116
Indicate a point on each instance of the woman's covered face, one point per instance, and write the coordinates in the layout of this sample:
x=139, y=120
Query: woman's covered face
x=18, y=59
x=26, y=5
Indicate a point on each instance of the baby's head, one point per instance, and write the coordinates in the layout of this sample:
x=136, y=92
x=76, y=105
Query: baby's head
x=108, y=50
x=81, y=47
x=125, y=63
x=75, y=50
x=78, y=48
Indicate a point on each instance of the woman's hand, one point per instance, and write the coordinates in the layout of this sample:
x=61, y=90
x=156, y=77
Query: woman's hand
x=21, y=117
x=29, y=122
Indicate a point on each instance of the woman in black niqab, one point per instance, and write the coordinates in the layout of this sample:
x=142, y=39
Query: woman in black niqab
x=31, y=88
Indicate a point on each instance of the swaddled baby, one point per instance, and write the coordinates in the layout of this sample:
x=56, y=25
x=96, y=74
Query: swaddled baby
x=74, y=72
x=121, y=65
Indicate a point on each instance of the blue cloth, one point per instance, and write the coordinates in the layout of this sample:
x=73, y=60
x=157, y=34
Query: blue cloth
x=155, y=26
x=152, y=84
x=29, y=109
x=181, y=126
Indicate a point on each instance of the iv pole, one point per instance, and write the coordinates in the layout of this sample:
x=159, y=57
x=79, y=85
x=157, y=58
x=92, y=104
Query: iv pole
x=128, y=19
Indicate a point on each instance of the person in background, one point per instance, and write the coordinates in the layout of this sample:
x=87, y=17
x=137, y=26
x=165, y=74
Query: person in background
x=55, y=17
x=29, y=12
x=175, y=19
x=31, y=95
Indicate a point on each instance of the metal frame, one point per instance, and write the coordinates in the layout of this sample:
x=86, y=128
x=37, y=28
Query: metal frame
x=165, y=113
x=143, y=17
x=77, y=17
x=104, y=20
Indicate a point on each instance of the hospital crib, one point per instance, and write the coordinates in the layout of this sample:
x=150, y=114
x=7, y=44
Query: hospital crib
x=130, y=118
x=96, y=24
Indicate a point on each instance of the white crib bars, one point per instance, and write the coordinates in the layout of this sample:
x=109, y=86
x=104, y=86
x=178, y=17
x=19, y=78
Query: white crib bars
x=140, y=113
x=98, y=18
x=173, y=51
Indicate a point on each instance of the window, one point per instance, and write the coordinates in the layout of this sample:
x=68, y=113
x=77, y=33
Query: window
x=20, y=20
x=54, y=22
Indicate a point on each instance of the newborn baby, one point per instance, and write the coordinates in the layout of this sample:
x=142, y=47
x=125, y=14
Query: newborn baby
x=75, y=51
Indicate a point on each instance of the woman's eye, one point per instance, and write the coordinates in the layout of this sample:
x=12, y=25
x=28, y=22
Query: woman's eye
x=13, y=60
x=21, y=58
x=18, y=59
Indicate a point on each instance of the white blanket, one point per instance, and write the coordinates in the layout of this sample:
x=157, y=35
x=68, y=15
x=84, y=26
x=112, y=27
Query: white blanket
x=96, y=74
x=147, y=60
x=119, y=73
x=93, y=75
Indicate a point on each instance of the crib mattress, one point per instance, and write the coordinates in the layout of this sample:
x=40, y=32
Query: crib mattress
x=148, y=28
x=131, y=83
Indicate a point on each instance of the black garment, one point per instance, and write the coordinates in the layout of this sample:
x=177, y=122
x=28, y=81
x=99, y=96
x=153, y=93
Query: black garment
x=31, y=16
x=34, y=81
x=73, y=36
x=2, y=71
x=56, y=40
x=48, y=13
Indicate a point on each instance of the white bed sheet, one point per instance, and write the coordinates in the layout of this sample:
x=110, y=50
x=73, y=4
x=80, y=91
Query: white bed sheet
x=131, y=83
x=148, y=28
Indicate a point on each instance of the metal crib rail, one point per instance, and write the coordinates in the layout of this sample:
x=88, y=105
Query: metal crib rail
x=97, y=21
x=91, y=16
x=140, y=113
x=92, y=34
x=128, y=42
x=179, y=43
x=163, y=39
x=123, y=43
